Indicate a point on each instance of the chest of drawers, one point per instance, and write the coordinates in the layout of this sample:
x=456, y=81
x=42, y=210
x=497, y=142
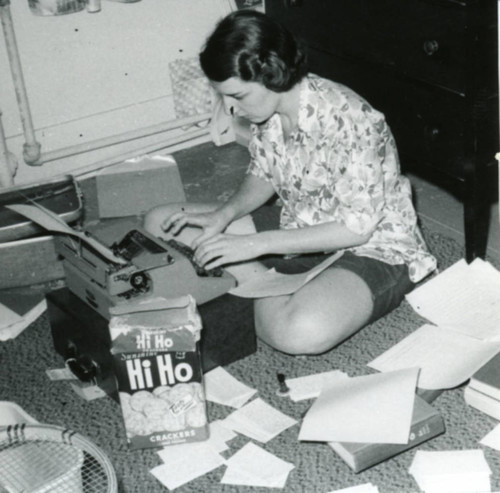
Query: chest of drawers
x=431, y=66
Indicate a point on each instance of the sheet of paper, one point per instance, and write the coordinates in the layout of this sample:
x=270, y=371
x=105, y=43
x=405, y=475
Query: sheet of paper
x=446, y=358
x=193, y=462
x=373, y=408
x=12, y=324
x=492, y=439
x=309, y=386
x=451, y=470
x=449, y=462
x=8, y=317
x=221, y=387
x=272, y=283
x=12, y=331
x=52, y=222
x=258, y=420
x=360, y=488
x=464, y=296
x=219, y=435
x=254, y=466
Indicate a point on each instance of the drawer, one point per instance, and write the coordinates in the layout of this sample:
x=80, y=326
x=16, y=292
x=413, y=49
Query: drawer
x=433, y=128
x=424, y=40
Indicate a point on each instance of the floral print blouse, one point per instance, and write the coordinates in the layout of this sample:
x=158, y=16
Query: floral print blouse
x=341, y=164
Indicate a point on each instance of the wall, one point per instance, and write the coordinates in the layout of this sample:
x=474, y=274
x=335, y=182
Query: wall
x=91, y=75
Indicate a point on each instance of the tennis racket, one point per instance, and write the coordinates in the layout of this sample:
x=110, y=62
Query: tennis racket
x=39, y=458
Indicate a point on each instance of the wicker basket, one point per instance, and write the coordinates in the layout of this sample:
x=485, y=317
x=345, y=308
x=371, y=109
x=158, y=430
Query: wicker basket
x=56, y=7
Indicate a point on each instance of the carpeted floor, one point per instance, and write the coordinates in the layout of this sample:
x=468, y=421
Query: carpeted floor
x=23, y=362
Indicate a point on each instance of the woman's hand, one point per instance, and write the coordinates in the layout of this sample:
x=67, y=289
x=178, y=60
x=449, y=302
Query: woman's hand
x=211, y=223
x=223, y=249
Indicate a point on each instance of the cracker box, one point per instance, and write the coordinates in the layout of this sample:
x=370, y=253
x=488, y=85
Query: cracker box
x=158, y=371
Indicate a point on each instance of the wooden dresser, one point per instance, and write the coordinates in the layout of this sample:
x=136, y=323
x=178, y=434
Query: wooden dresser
x=431, y=67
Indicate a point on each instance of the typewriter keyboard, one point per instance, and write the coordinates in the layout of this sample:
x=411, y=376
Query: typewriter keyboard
x=188, y=252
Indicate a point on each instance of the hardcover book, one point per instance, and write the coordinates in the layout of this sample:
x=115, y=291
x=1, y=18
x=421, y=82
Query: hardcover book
x=487, y=379
x=427, y=423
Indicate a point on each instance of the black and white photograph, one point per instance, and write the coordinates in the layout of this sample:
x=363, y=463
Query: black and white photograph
x=249, y=246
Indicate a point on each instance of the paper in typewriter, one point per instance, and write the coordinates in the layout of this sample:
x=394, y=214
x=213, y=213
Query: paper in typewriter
x=52, y=222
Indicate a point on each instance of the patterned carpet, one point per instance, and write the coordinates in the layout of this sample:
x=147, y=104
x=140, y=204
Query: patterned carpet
x=23, y=362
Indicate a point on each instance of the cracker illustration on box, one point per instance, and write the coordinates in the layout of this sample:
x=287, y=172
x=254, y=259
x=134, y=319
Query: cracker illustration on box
x=158, y=371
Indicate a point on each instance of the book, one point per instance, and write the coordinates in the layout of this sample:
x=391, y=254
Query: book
x=483, y=402
x=487, y=379
x=18, y=309
x=426, y=423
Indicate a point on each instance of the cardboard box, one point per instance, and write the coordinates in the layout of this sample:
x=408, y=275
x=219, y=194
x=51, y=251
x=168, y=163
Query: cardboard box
x=158, y=370
x=137, y=185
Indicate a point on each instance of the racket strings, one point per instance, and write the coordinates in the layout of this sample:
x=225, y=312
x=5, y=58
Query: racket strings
x=34, y=465
x=60, y=462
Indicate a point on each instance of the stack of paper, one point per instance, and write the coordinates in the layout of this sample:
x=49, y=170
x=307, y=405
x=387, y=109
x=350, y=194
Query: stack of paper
x=18, y=309
x=259, y=421
x=253, y=466
x=454, y=471
x=221, y=387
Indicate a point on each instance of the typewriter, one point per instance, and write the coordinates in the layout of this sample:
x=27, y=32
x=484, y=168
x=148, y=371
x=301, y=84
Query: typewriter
x=137, y=266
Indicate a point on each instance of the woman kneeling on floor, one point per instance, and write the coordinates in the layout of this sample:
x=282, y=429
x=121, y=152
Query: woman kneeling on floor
x=332, y=161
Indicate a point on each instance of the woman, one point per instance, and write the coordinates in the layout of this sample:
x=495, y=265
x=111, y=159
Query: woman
x=332, y=161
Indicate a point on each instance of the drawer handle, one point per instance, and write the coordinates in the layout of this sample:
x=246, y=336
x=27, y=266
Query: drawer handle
x=431, y=46
x=431, y=133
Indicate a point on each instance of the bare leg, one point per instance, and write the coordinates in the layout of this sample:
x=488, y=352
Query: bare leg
x=317, y=317
x=155, y=217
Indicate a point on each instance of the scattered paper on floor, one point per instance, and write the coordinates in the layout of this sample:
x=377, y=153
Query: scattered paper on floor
x=254, y=466
x=446, y=358
x=451, y=471
x=373, y=408
x=309, y=386
x=492, y=439
x=219, y=435
x=259, y=421
x=464, y=296
x=184, y=465
x=221, y=387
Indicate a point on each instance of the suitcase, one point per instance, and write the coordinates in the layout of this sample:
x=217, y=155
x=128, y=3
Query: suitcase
x=81, y=336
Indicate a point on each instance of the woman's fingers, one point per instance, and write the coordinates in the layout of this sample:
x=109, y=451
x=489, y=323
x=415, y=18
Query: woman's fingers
x=174, y=222
x=220, y=250
x=217, y=262
x=209, y=249
x=177, y=221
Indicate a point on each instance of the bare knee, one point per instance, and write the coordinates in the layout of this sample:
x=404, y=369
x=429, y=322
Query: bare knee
x=299, y=331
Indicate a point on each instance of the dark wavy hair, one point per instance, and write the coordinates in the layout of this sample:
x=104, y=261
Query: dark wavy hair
x=255, y=48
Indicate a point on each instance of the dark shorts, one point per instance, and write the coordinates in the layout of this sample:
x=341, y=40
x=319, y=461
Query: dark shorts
x=388, y=283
